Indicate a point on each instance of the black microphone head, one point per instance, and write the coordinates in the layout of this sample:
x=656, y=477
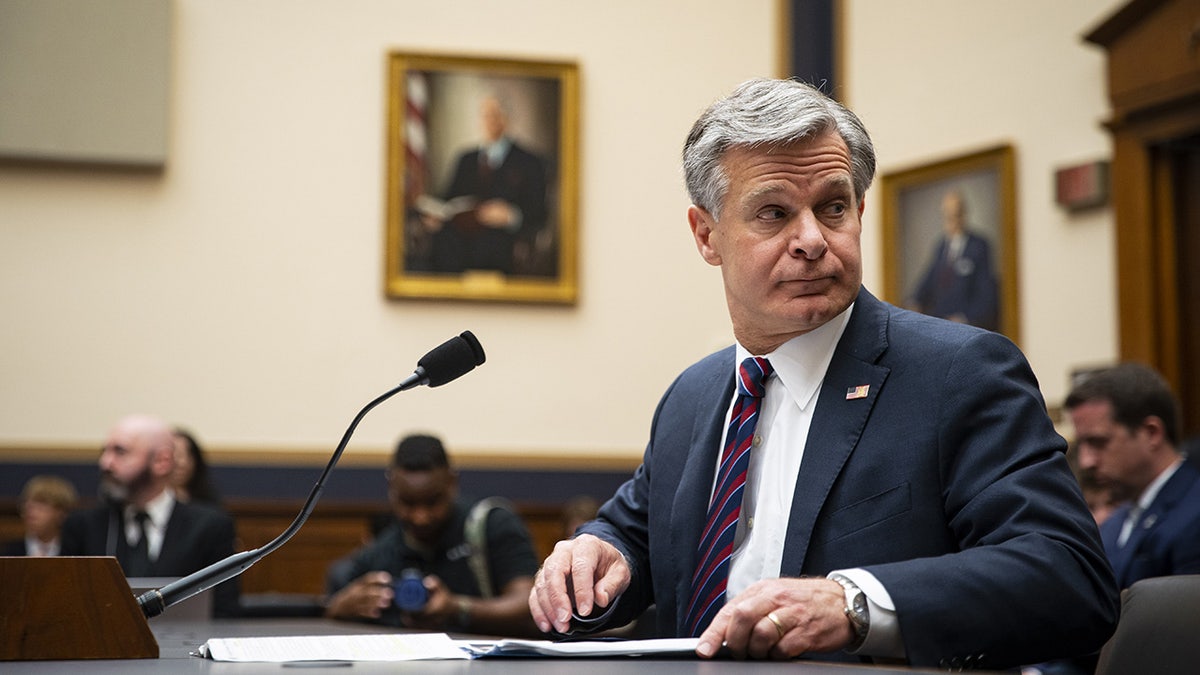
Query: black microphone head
x=452, y=359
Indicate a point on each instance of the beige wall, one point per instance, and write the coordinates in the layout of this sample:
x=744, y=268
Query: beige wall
x=935, y=79
x=239, y=292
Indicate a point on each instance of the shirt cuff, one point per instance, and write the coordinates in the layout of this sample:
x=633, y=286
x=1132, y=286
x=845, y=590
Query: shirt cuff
x=883, y=633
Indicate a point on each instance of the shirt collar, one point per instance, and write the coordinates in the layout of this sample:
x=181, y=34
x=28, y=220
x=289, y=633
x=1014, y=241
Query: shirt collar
x=497, y=151
x=802, y=361
x=1147, y=497
x=158, y=509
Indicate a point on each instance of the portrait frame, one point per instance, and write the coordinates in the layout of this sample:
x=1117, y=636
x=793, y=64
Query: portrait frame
x=440, y=245
x=912, y=228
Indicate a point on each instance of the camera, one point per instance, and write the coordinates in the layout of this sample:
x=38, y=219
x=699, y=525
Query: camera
x=410, y=593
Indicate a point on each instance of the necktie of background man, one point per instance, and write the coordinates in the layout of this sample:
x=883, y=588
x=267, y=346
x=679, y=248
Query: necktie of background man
x=139, y=553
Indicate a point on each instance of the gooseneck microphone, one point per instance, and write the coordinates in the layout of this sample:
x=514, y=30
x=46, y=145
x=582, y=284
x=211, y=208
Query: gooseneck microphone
x=448, y=361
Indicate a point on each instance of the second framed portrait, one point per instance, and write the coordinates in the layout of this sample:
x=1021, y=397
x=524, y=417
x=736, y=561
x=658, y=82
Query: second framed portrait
x=482, y=179
x=950, y=242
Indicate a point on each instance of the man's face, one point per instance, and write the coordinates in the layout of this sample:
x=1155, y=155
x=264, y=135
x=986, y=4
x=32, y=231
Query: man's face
x=787, y=240
x=1114, y=454
x=130, y=466
x=954, y=217
x=422, y=501
x=494, y=119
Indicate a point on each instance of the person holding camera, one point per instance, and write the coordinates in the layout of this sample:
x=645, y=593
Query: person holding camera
x=445, y=563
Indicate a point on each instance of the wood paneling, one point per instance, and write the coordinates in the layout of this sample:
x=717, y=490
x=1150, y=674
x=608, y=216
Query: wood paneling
x=1154, y=88
x=332, y=531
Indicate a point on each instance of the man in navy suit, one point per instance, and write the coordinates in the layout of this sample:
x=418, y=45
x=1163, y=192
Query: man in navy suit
x=907, y=496
x=959, y=284
x=175, y=539
x=506, y=187
x=1127, y=433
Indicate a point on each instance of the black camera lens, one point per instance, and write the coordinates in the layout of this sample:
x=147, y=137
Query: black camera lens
x=411, y=595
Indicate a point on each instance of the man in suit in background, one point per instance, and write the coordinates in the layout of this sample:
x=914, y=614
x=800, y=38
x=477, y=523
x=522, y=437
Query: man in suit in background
x=906, y=495
x=1126, y=424
x=151, y=533
x=959, y=283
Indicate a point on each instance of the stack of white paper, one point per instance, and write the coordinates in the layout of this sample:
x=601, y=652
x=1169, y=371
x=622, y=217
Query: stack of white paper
x=424, y=646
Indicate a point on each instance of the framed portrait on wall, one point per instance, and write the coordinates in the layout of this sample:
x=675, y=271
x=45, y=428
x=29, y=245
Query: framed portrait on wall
x=950, y=239
x=482, y=179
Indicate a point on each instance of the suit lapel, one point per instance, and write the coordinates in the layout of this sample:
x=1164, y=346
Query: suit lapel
x=177, y=528
x=843, y=407
x=1172, y=491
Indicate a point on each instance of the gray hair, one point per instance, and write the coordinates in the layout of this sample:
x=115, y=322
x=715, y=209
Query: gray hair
x=768, y=113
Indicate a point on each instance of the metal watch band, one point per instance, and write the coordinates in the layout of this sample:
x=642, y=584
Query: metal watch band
x=856, y=611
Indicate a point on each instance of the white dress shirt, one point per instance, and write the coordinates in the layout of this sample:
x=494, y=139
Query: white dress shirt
x=785, y=415
x=158, y=511
x=36, y=548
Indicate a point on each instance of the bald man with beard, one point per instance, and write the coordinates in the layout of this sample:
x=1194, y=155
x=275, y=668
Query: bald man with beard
x=135, y=465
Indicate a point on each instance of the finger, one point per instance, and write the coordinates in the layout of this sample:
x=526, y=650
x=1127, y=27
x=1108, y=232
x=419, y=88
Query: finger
x=739, y=618
x=582, y=582
x=535, y=607
x=764, y=635
x=377, y=577
x=713, y=637
x=553, y=605
x=613, y=583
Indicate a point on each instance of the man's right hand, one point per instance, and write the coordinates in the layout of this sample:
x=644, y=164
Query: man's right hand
x=364, y=598
x=591, y=569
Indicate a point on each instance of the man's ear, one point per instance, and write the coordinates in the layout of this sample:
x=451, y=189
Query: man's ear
x=702, y=222
x=862, y=204
x=1156, y=429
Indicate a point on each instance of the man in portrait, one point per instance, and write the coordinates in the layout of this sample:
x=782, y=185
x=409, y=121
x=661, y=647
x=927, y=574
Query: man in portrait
x=959, y=283
x=493, y=214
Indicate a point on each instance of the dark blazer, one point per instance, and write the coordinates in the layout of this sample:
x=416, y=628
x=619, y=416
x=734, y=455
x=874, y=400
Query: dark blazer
x=1166, y=538
x=196, y=536
x=519, y=180
x=966, y=286
x=947, y=482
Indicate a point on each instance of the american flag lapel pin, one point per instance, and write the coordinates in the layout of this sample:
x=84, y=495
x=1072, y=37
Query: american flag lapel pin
x=857, y=392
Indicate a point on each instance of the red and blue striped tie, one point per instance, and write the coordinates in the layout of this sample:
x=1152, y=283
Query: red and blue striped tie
x=716, y=543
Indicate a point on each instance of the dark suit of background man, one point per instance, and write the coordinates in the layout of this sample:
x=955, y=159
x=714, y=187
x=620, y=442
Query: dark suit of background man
x=1127, y=432
x=135, y=466
x=508, y=185
x=910, y=455
x=959, y=284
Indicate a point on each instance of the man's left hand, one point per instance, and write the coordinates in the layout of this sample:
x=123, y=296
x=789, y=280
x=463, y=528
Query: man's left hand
x=780, y=619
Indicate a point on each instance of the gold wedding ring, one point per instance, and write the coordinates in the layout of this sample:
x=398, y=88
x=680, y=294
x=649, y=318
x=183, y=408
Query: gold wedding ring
x=778, y=626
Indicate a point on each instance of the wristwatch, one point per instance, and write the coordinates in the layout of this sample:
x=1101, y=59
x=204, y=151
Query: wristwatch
x=856, y=610
x=464, y=613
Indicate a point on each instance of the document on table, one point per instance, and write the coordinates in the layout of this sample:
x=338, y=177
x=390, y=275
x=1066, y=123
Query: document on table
x=580, y=648
x=386, y=647
x=426, y=646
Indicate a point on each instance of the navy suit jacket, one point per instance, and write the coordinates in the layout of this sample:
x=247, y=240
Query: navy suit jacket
x=196, y=536
x=947, y=482
x=1166, y=538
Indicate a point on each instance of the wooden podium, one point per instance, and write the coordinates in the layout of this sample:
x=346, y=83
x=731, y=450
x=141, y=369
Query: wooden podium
x=70, y=608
